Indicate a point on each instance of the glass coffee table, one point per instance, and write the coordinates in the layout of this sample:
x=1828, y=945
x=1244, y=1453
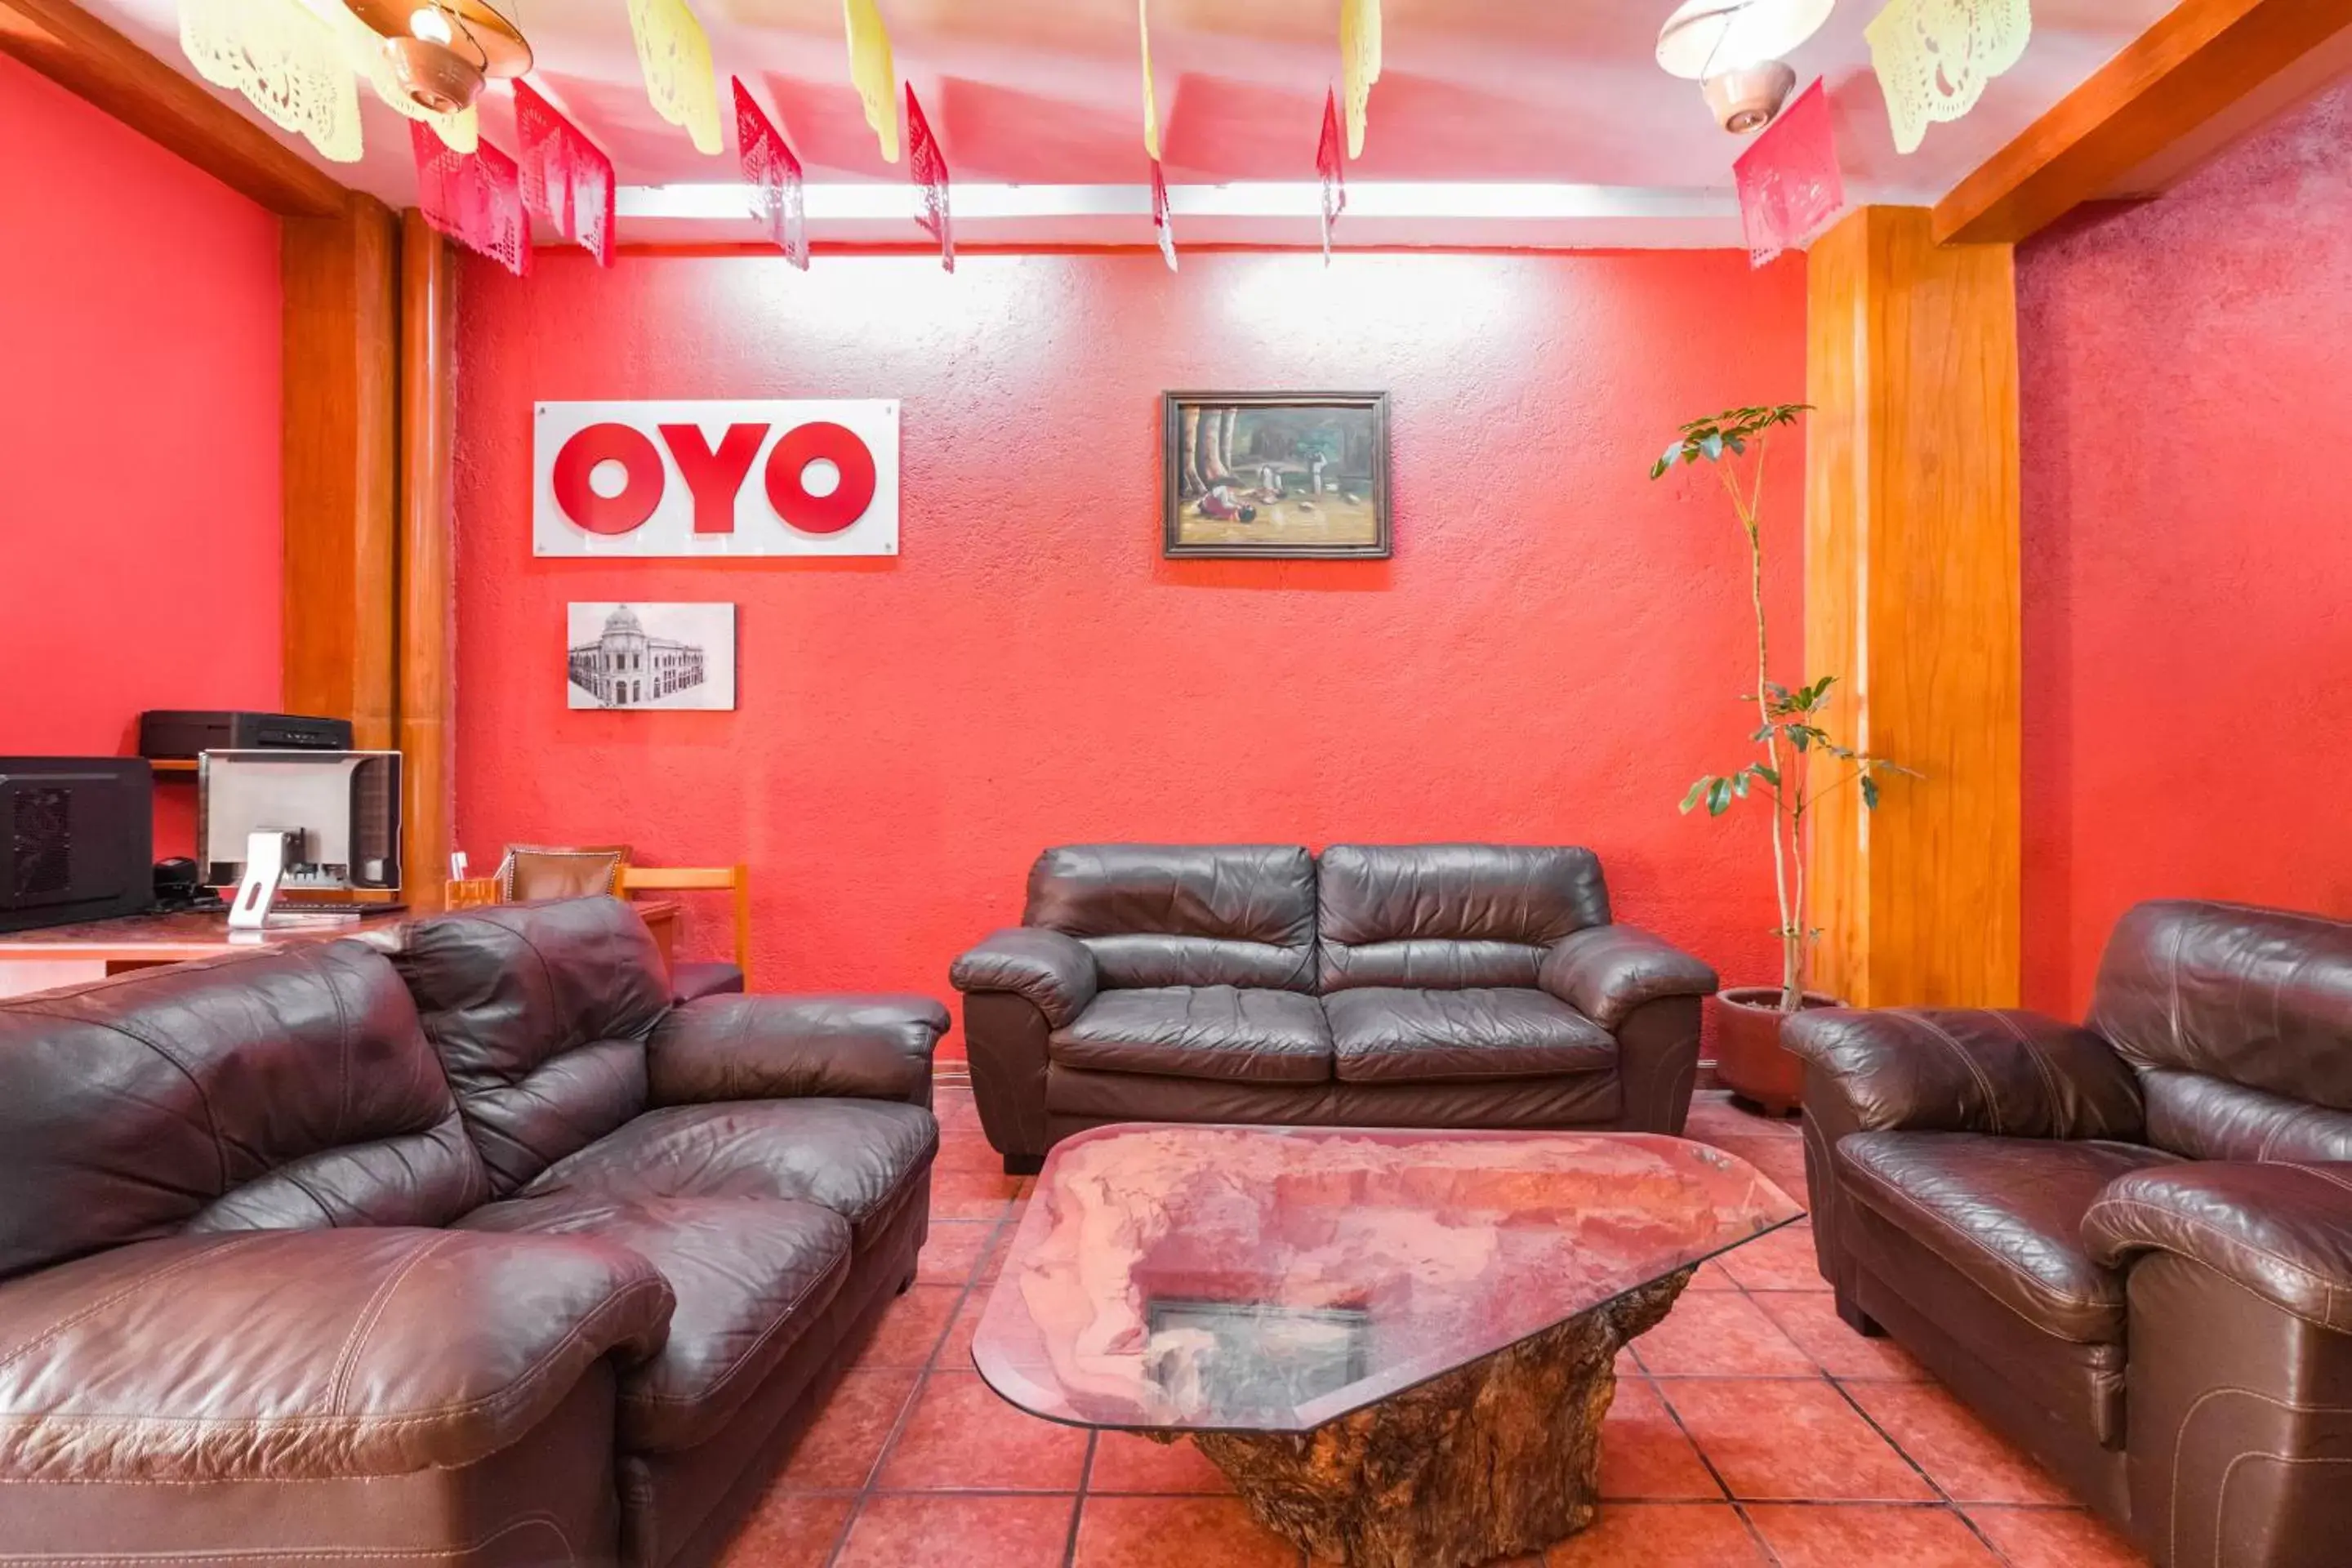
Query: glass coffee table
x=1398, y=1346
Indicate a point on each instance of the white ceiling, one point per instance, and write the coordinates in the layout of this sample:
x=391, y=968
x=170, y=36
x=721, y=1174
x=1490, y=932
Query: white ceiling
x=1047, y=92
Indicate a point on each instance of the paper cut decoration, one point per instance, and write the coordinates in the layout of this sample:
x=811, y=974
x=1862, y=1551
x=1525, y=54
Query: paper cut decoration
x=1933, y=57
x=289, y=63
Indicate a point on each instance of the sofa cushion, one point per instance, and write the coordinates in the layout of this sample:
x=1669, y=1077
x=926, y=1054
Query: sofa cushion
x=2257, y=997
x=860, y=1158
x=1194, y=914
x=751, y=1276
x=268, y=1091
x=2005, y=1213
x=1449, y=915
x=1200, y=1031
x=2199, y=1117
x=539, y=1014
x=1385, y=1035
x=293, y=1356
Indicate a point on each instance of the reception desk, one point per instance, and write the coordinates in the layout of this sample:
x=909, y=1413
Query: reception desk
x=77, y=954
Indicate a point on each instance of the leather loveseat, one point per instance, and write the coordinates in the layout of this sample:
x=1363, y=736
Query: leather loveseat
x=2128, y=1246
x=1416, y=985
x=475, y=1252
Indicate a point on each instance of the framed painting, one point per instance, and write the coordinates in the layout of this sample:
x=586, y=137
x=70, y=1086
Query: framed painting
x=645, y=656
x=1293, y=475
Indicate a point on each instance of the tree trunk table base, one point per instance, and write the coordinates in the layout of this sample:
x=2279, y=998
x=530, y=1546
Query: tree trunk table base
x=1497, y=1458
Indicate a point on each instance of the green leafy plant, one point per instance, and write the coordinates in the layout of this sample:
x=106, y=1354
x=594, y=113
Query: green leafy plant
x=1794, y=741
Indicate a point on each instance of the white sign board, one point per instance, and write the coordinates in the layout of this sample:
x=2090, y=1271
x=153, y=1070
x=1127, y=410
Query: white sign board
x=713, y=479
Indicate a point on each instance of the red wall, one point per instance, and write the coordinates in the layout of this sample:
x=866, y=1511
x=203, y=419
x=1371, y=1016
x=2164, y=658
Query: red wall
x=2188, y=552
x=139, y=436
x=1552, y=656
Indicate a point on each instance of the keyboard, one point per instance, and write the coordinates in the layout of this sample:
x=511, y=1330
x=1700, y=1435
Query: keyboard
x=284, y=906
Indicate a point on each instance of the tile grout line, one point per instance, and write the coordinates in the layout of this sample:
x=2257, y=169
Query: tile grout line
x=1741, y=1505
x=1738, y=1510
x=871, y=1487
x=1078, y=1503
x=1950, y=1504
x=1946, y=1502
x=1738, y=1507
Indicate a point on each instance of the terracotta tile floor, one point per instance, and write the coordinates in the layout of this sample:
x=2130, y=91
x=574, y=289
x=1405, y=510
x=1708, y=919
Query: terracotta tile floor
x=1751, y=1428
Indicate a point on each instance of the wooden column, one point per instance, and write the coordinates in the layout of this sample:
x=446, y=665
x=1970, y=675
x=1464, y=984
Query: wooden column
x=426, y=588
x=339, y=480
x=1911, y=598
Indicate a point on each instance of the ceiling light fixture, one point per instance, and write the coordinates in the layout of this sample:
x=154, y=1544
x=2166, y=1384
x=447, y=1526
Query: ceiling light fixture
x=1733, y=48
x=438, y=54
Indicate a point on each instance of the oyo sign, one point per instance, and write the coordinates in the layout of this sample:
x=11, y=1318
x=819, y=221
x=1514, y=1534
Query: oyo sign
x=807, y=477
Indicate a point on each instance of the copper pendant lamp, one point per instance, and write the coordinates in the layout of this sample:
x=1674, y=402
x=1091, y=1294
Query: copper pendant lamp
x=442, y=52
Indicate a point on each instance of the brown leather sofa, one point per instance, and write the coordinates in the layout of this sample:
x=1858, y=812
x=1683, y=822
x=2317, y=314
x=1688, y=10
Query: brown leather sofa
x=2128, y=1246
x=477, y=1251
x=1416, y=985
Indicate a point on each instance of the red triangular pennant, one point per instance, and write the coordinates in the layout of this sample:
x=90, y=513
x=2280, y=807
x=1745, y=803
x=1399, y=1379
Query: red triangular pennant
x=1327, y=165
x=566, y=178
x=475, y=198
x=1789, y=183
x=1163, y=227
x=774, y=175
x=929, y=166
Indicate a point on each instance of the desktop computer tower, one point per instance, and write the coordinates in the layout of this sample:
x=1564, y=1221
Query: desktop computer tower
x=77, y=839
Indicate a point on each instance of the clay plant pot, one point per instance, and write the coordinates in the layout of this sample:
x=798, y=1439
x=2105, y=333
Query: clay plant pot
x=1750, y=1059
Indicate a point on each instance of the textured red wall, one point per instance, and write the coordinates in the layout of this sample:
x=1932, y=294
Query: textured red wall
x=139, y=436
x=2188, y=557
x=1552, y=656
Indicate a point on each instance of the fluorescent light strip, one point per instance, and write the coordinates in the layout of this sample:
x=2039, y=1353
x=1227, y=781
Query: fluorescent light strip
x=1366, y=199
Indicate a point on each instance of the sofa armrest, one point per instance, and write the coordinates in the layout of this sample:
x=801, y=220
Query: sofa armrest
x=324, y=1354
x=2009, y=1074
x=1606, y=972
x=794, y=1047
x=1053, y=971
x=2284, y=1232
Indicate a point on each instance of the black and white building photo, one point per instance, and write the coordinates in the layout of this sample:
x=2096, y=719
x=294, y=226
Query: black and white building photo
x=651, y=656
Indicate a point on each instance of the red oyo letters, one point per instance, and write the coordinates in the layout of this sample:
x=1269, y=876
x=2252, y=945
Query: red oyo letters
x=714, y=476
x=609, y=443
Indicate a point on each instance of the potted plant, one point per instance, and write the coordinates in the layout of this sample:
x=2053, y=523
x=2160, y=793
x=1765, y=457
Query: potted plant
x=1794, y=744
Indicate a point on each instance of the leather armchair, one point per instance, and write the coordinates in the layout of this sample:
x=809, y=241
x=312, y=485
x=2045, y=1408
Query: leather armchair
x=2129, y=1245
x=1985, y=1071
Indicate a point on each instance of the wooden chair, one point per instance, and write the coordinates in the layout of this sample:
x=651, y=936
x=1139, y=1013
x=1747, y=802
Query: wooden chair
x=470, y=893
x=703, y=979
x=687, y=980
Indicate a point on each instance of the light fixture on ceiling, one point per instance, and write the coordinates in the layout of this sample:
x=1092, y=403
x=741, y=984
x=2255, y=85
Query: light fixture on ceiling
x=441, y=52
x=1733, y=48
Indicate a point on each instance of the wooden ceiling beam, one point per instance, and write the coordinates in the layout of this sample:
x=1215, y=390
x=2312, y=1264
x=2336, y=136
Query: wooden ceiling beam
x=83, y=55
x=2199, y=59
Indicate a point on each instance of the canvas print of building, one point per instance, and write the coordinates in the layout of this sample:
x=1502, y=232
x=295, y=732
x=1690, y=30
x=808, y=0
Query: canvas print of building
x=651, y=656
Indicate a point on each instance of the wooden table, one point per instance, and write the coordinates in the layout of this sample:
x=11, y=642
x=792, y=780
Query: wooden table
x=77, y=954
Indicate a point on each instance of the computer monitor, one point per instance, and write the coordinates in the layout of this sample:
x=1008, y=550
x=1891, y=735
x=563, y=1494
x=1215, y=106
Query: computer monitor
x=327, y=821
x=77, y=839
